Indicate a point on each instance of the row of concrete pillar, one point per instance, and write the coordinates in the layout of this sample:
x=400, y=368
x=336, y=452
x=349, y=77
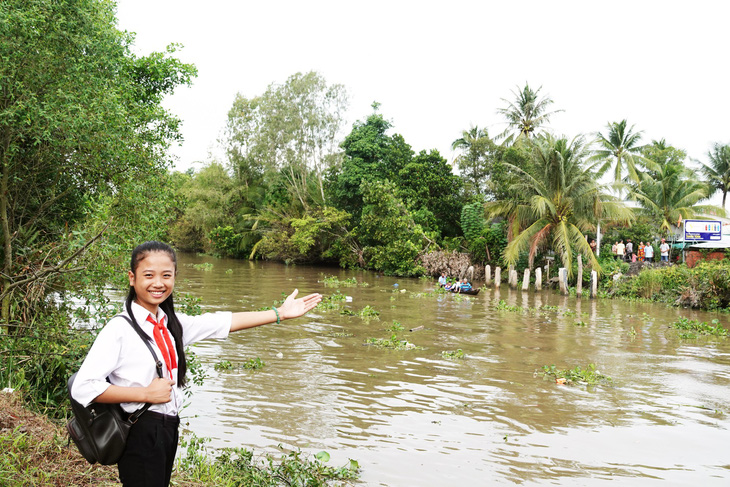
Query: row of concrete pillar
x=562, y=279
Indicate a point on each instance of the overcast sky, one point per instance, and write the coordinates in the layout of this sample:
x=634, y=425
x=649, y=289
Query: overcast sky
x=438, y=68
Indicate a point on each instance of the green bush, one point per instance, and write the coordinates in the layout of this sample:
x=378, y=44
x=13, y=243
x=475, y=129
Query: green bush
x=225, y=241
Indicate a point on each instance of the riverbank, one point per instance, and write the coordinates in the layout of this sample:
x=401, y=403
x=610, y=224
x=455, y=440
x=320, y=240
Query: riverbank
x=37, y=452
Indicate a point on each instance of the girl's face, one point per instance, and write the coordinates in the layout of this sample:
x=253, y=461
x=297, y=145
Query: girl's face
x=153, y=280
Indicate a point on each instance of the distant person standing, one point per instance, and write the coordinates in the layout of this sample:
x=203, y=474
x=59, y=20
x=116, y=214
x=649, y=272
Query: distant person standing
x=629, y=250
x=593, y=246
x=614, y=250
x=640, y=252
x=620, y=250
x=664, y=250
x=649, y=252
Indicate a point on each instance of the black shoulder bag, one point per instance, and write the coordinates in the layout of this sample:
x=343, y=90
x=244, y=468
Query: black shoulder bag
x=100, y=430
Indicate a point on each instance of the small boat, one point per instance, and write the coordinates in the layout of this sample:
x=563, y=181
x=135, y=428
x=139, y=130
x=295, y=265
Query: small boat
x=470, y=292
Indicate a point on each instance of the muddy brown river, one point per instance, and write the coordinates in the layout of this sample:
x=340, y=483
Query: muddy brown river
x=415, y=418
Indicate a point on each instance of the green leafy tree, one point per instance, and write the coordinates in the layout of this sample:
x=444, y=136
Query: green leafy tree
x=526, y=115
x=370, y=155
x=476, y=159
x=391, y=239
x=426, y=183
x=81, y=117
x=717, y=172
x=210, y=199
x=560, y=201
x=292, y=130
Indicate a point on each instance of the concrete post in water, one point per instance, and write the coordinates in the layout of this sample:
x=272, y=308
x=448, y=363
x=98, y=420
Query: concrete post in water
x=526, y=280
x=594, y=284
x=538, y=279
x=579, y=284
x=513, y=278
x=470, y=272
x=488, y=275
x=562, y=281
x=497, y=277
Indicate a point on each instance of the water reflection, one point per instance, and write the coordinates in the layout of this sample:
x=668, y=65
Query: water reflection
x=415, y=418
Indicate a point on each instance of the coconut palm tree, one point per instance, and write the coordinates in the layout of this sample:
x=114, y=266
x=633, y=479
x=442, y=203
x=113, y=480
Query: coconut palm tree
x=672, y=193
x=620, y=147
x=717, y=173
x=526, y=114
x=560, y=200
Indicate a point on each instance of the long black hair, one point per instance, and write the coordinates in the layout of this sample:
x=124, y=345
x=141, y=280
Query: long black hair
x=168, y=306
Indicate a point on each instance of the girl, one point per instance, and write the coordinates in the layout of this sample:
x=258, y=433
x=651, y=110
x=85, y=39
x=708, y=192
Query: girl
x=120, y=355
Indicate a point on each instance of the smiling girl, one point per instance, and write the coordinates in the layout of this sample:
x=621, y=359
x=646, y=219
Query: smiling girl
x=119, y=368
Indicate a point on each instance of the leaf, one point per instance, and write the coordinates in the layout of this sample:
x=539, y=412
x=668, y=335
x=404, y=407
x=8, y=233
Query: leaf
x=323, y=456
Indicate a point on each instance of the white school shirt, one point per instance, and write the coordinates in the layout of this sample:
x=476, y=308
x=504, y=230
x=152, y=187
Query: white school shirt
x=120, y=354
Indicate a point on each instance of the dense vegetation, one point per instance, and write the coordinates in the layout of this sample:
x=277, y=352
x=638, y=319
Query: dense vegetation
x=86, y=175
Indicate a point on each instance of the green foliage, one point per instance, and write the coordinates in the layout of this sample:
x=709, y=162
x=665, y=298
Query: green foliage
x=669, y=189
x=368, y=312
x=396, y=326
x=589, y=375
x=207, y=200
x=489, y=246
x=289, y=134
x=225, y=242
x=457, y=354
x=320, y=234
x=333, y=281
x=239, y=466
x=706, y=286
x=690, y=328
x=557, y=198
x=391, y=239
x=472, y=221
x=392, y=343
x=38, y=359
x=223, y=365
x=253, y=363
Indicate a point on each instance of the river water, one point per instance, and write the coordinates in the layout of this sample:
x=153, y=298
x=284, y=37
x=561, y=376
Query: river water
x=415, y=418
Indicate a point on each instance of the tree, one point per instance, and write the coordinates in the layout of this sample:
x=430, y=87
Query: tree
x=370, y=155
x=390, y=237
x=427, y=183
x=476, y=159
x=80, y=118
x=526, y=114
x=620, y=148
x=292, y=129
x=560, y=200
x=717, y=172
x=671, y=190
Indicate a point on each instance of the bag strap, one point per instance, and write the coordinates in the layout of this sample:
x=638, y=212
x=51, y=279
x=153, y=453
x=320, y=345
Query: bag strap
x=158, y=364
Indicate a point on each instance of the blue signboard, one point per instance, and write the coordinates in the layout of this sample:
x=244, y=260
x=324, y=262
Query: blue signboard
x=702, y=230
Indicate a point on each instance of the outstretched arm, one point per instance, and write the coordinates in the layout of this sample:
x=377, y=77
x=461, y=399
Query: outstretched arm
x=291, y=308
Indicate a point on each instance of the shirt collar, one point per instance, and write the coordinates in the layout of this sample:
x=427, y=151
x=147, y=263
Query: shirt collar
x=141, y=314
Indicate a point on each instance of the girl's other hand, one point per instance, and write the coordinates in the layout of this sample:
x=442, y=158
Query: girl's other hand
x=293, y=307
x=160, y=391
